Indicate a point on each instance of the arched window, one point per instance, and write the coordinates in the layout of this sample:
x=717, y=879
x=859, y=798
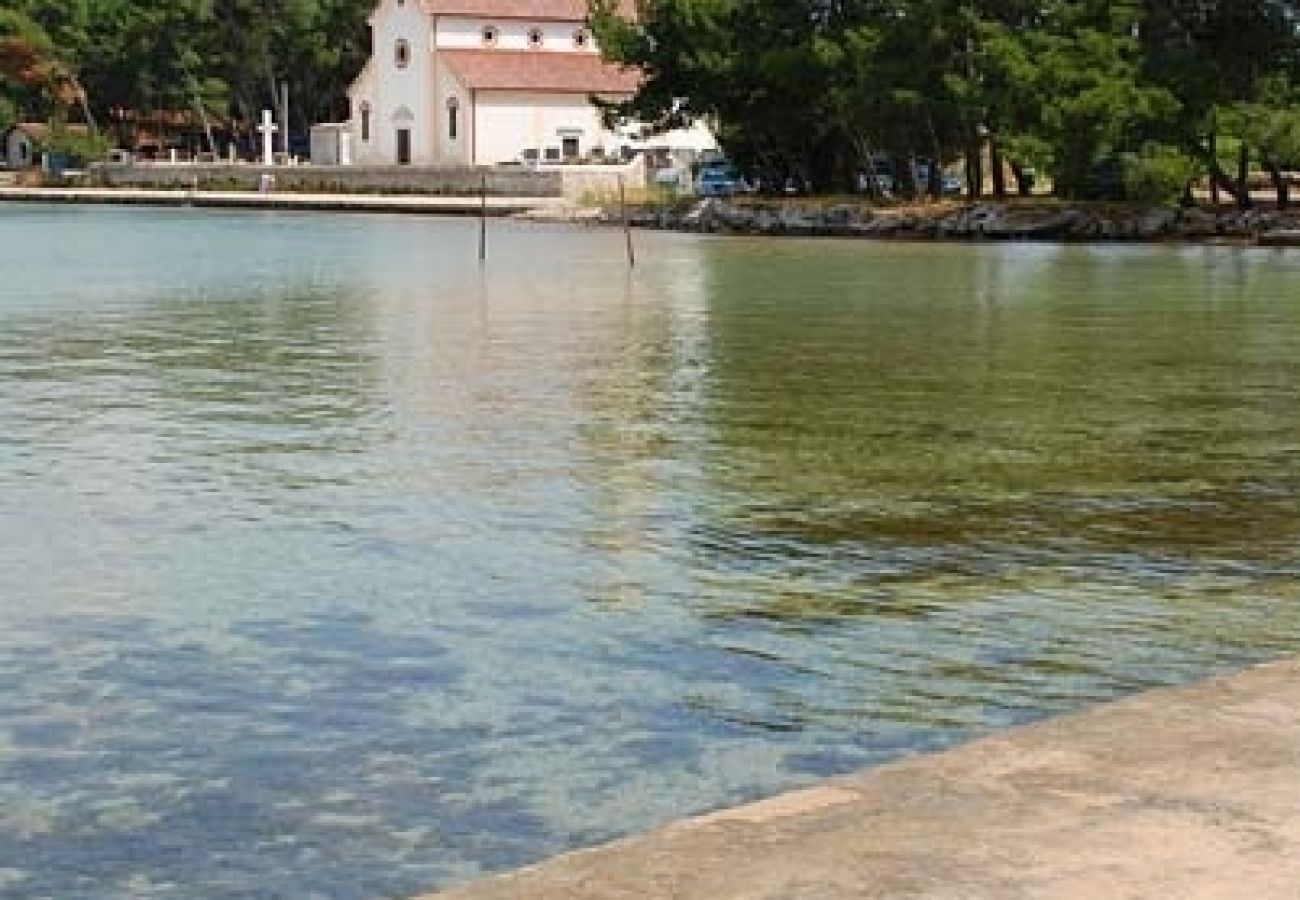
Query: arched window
x=365, y=121
x=453, y=118
x=536, y=38
x=402, y=53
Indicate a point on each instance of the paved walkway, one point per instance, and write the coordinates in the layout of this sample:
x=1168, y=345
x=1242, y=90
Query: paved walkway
x=497, y=206
x=1184, y=794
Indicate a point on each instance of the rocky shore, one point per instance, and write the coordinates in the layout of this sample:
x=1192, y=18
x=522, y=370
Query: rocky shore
x=1033, y=220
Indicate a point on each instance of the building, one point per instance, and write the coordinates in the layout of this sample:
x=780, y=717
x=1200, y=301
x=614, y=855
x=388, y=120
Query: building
x=25, y=144
x=484, y=82
x=21, y=144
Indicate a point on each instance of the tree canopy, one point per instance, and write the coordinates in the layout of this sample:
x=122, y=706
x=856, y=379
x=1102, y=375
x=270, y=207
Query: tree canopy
x=1087, y=92
x=212, y=60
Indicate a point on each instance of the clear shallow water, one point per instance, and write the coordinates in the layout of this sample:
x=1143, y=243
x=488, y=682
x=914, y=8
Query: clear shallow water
x=332, y=568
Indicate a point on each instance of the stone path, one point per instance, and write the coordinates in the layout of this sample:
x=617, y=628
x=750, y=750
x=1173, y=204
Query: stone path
x=497, y=206
x=1183, y=794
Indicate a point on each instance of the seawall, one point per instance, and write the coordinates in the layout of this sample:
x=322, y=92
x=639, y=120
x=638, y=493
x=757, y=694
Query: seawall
x=1190, y=793
x=539, y=207
x=438, y=181
x=1041, y=219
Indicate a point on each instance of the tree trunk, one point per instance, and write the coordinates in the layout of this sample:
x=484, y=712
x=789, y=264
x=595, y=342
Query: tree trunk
x=999, y=175
x=1224, y=181
x=207, y=125
x=974, y=169
x=935, y=186
x=1214, y=184
x=84, y=100
x=904, y=175
x=1243, y=178
x=1281, y=183
x=1024, y=186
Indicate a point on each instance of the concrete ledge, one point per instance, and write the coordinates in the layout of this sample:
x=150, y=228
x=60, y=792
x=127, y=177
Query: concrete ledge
x=469, y=206
x=454, y=181
x=1183, y=794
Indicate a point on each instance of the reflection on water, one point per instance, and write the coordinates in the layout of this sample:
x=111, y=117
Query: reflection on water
x=333, y=567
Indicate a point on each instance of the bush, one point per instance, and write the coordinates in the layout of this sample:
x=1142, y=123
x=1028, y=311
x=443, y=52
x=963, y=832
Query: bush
x=78, y=147
x=1158, y=174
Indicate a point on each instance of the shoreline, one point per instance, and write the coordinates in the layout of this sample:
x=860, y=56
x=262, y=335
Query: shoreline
x=951, y=222
x=1041, y=220
x=496, y=207
x=1182, y=792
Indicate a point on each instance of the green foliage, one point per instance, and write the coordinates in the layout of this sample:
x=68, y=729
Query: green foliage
x=215, y=59
x=817, y=93
x=1158, y=174
x=77, y=145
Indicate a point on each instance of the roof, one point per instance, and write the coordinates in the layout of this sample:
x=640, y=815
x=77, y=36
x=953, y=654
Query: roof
x=536, y=70
x=545, y=10
x=40, y=131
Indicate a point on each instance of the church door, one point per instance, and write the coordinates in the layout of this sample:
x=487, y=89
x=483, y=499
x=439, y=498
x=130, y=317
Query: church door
x=403, y=146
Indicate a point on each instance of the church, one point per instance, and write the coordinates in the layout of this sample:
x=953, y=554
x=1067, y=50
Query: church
x=484, y=82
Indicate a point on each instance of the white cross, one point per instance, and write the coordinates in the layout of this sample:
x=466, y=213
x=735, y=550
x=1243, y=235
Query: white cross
x=268, y=128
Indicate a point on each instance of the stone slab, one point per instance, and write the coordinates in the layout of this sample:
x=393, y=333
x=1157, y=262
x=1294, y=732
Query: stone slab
x=502, y=181
x=1180, y=794
x=470, y=206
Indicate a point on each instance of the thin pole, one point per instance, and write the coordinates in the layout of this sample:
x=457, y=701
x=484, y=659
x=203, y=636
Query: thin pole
x=627, y=228
x=482, y=220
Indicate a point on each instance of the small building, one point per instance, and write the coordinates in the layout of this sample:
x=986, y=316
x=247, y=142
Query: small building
x=24, y=145
x=331, y=144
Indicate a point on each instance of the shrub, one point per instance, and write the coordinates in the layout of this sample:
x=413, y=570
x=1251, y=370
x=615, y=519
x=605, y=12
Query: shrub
x=1157, y=174
x=79, y=147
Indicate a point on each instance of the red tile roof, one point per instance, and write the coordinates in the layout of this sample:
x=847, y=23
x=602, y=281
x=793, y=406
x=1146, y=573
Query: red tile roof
x=543, y=10
x=539, y=70
x=41, y=131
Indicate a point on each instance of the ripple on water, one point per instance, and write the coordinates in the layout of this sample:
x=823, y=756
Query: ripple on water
x=332, y=566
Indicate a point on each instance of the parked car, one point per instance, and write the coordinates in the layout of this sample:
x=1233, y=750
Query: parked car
x=718, y=181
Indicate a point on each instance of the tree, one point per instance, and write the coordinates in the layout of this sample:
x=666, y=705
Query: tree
x=32, y=67
x=1213, y=55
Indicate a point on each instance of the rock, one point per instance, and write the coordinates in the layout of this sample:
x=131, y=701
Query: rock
x=1282, y=237
x=1197, y=223
x=1155, y=222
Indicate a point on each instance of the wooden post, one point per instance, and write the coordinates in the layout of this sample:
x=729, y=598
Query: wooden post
x=627, y=228
x=482, y=221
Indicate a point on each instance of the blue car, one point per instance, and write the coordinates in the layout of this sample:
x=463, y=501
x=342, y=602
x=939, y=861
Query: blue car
x=718, y=181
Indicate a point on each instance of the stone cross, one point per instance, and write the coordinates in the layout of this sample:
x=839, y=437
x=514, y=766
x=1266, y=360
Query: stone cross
x=268, y=128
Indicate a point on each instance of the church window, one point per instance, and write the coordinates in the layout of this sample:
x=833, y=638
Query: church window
x=490, y=35
x=402, y=53
x=581, y=39
x=536, y=38
x=453, y=118
x=365, y=121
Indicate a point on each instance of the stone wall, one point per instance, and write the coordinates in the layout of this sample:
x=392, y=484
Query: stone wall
x=599, y=184
x=445, y=181
x=1048, y=221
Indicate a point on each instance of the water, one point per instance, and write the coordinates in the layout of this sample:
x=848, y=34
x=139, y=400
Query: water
x=332, y=568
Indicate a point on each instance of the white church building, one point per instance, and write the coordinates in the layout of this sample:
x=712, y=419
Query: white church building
x=484, y=82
